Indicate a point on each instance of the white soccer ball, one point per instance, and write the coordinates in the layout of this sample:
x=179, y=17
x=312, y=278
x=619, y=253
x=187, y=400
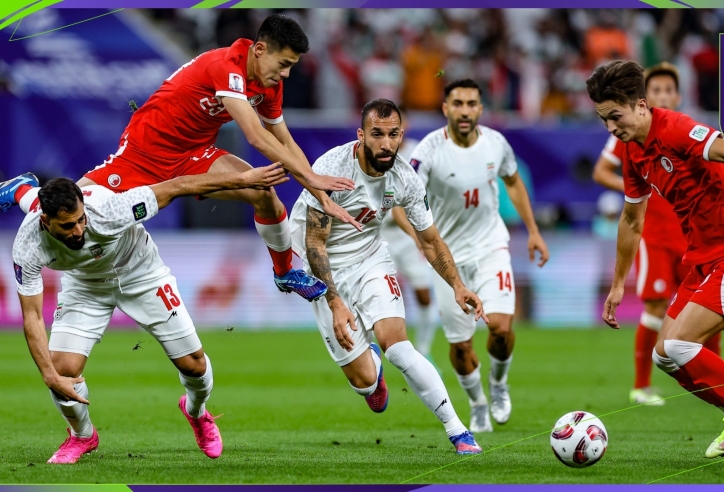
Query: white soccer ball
x=579, y=439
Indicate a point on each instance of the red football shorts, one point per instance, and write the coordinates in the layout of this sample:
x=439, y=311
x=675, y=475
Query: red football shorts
x=703, y=286
x=660, y=271
x=129, y=168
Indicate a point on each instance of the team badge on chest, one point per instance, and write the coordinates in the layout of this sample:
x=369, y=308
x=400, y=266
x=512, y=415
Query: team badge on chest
x=388, y=200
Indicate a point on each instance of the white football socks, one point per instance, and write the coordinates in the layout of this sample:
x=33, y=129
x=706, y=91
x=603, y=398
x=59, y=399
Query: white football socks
x=277, y=236
x=499, y=369
x=473, y=387
x=424, y=380
x=198, y=390
x=75, y=413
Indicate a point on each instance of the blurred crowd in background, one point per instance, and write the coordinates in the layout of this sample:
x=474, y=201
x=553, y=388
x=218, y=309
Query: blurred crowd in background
x=531, y=63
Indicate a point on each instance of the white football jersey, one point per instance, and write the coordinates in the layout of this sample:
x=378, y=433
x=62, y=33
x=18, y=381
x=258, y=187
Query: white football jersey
x=405, y=150
x=462, y=187
x=369, y=203
x=115, y=240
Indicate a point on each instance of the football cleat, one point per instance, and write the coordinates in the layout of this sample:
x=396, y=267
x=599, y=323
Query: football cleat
x=645, y=396
x=500, y=405
x=206, y=432
x=716, y=448
x=377, y=401
x=73, y=448
x=299, y=281
x=9, y=187
x=465, y=444
x=480, y=418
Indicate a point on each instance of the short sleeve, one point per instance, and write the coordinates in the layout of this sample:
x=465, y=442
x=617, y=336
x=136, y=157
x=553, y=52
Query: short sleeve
x=635, y=188
x=328, y=165
x=509, y=166
x=613, y=150
x=228, y=80
x=118, y=212
x=270, y=107
x=415, y=203
x=26, y=265
x=688, y=138
x=420, y=161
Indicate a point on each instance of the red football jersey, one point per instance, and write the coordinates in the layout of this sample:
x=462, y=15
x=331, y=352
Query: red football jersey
x=673, y=162
x=662, y=226
x=184, y=114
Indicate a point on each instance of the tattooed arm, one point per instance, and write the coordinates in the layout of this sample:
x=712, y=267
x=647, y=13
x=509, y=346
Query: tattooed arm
x=438, y=254
x=319, y=226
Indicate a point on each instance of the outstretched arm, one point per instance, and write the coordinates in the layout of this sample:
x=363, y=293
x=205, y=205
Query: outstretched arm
x=438, y=254
x=34, y=328
x=630, y=228
x=521, y=201
x=319, y=226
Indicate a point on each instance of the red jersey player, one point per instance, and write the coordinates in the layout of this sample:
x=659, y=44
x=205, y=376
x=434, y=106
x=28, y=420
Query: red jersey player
x=670, y=154
x=173, y=134
x=658, y=262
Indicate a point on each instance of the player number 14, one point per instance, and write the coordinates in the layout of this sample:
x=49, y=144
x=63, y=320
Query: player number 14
x=504, y=280
x=471, y=198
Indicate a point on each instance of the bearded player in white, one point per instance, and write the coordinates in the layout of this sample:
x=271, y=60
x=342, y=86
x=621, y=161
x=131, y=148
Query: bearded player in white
x=363, y=297
x=459, y=165
x=97, y=237
x=408, y=258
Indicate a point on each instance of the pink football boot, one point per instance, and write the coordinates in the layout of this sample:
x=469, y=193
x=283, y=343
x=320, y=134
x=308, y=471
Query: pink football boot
x=74, y=447
x=207, y=433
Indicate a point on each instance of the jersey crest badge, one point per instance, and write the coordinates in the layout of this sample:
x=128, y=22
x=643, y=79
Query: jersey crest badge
x=236, y=82
x=96, y=251
x=256, y=100
x=667, y=164
x=699, y=133
x=58, y=311
x=114, y=180
x=388, y=200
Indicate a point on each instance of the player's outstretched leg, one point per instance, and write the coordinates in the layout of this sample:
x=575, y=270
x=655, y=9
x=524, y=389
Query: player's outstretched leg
x=13, y=190
x=82, y=436
x=716, y=448
x=193, y=407
x=428, y=386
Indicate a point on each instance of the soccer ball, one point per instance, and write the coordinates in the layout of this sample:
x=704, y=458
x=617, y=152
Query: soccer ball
x=579, y=439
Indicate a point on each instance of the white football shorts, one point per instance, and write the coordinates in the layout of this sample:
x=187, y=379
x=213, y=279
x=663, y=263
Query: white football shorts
x=152, y=300
x=370, y=290
x=491, y=278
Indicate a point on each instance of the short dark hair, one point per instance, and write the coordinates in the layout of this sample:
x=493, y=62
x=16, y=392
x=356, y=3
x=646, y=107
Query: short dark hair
x=464, y=83
x=279, y=31
x=59, y=195
x=663, y=68
x=619, y=81
x=383, y=108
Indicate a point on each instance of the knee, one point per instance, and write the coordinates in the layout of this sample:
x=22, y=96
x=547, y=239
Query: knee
x=264, y=199
x=362, y=379
x=192, y=365
x=462, y=351
x=423, y=297
x=65, y=366
x=500, y=329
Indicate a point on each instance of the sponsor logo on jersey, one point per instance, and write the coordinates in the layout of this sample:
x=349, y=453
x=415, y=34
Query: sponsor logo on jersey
x=256, y=100
x=87, y=192
x=388, y=200
x=18, y=273
x=58, y=311
x=96, y=251
x=667, y=164
x=139, y=211
x=329, y=343
x=415, y=164
x=114, y=180
x=699, y=133
x=236, y=82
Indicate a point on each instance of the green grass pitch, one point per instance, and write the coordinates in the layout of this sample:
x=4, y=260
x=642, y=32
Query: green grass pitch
x=289, y=416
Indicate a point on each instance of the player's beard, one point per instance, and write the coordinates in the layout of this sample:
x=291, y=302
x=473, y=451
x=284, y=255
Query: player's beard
x=75, y=245
x=377, y=165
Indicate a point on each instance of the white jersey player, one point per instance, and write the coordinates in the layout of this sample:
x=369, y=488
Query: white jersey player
x=413, y=266
x=460, y=165
x=363, y=298
x=97, y=238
